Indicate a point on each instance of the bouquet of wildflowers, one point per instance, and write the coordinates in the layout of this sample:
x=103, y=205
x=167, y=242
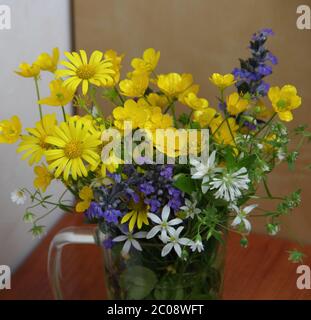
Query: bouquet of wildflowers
x=158, y=182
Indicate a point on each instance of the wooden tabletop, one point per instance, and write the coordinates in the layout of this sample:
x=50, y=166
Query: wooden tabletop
x=261, y=271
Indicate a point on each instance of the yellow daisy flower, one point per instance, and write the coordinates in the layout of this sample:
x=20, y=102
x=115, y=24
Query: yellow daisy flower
x=284, y=100
x=10, y=130
x=95, y=71
x=86, y=195
x=60, y=95
x=48, y=62
x=74, y=144
x=138, y=216
x=44, y=177
x=28, y=71
x=34, y=144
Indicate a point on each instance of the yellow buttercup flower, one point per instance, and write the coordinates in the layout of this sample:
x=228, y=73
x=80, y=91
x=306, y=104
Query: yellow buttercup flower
x=284, y=100
x=224, y=132
x=136, y=86
x=138, y=216
x=158, y=100
x=204, y=116
x=10, y=130
x=194, y=88
x=116, y=63
x=148, y=62
x=131, y=111
x=86, y=195
x=95, y=71
x=158, y=120
x=44, y=177
x=34, y=144
x=236, y=104
x=172, y=142
x=193, y=102
x=222, y=81
x=74, y=144
x=28, y=71
x=174, y=84
x=48, y=62
x=60, y=95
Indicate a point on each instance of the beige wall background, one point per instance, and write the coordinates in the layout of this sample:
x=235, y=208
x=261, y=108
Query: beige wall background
x=206, y=36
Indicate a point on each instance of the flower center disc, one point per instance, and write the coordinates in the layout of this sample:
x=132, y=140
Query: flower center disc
x=85, y=72
x=73, y=149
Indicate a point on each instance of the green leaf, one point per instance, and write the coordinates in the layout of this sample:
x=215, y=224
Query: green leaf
x=291, y=159
x=169, y=288
x=138, y=281
x=229, y=157
x=184, y=118
x=184, y=183
x=28, y=216
x=37, y=230
x=110, y=94
x=296, y=256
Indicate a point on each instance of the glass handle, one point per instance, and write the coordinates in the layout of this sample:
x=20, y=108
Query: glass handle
x=71, y=235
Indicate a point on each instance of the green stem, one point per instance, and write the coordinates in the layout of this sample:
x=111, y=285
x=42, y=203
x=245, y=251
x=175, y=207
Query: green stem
x=267, y=188
x=64, y=114
x=231, y=133
x=119, y=95
x=38, y=96
x=169, y=106
x=174, y=115
x=96, y=105
x=266, y=124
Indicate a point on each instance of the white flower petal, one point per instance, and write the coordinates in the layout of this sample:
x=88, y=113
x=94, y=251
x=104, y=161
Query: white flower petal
x=140, y=235
x=237, y=220
x=177, y=249
x=154, y=218
x=248, y=209
x=165, y=213
x=178, y=231
x=153, y=232
x=166, y=249
x=247, y=225
x=126, y=248
x=136, y=245
x=119, y=238
x=184, y=241
x=174, y=222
